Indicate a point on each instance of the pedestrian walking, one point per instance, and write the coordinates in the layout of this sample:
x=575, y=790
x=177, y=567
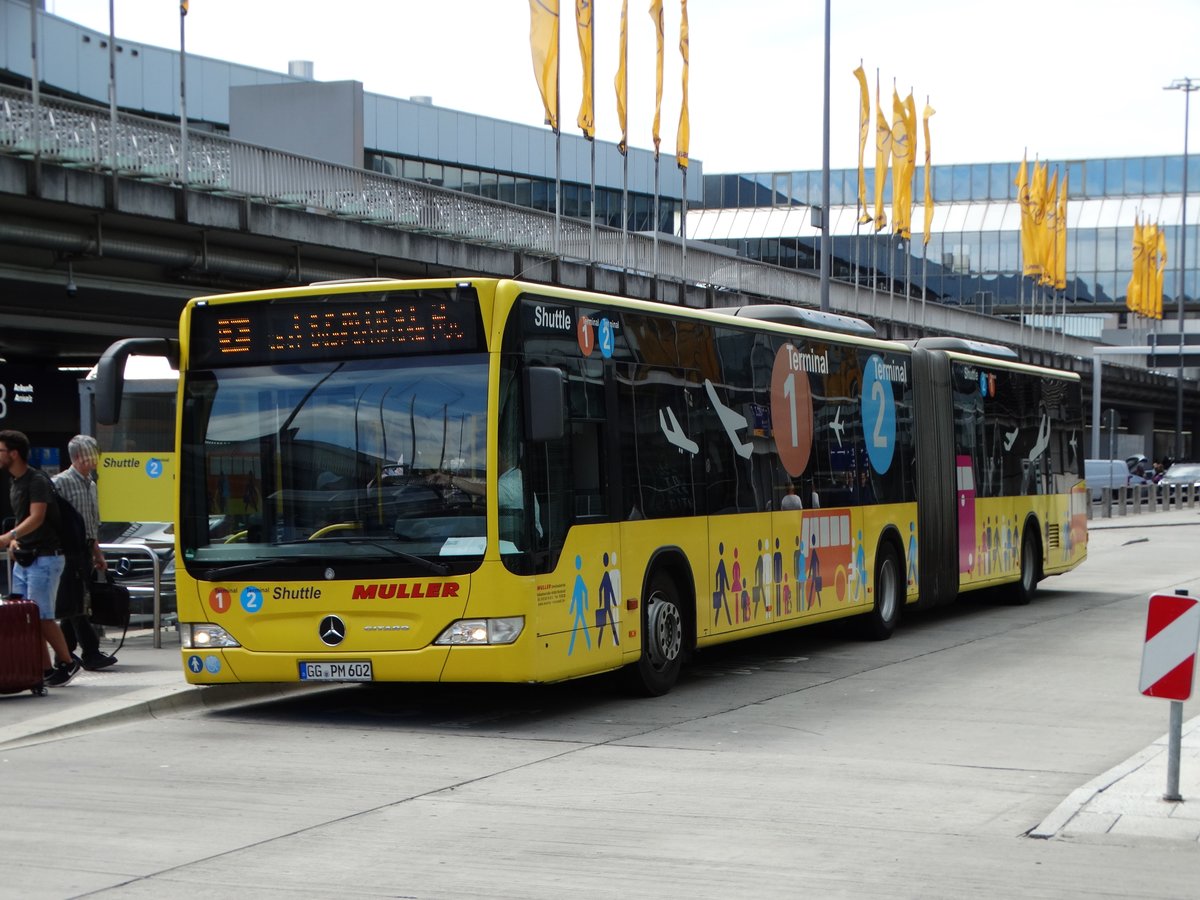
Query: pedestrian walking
x=77, y=486
x=36, y=551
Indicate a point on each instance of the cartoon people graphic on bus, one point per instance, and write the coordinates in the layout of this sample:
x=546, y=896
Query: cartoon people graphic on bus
x=814, y=574
x=777, y=564
x=579, y=606
x=798, y=563
x=608, y=600
x=762, y=578
x=721, y=578
x=741, y=597
x=860, y=569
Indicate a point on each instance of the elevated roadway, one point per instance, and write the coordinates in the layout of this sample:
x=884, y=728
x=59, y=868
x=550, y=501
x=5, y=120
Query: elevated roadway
x=100, y=238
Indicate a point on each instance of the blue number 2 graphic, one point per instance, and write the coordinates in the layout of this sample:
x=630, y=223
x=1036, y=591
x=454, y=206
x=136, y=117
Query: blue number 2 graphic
x=252, y=599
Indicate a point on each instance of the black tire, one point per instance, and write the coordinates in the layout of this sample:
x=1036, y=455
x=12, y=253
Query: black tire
x=1031, y=570
x=657, y=670
x=881, y=621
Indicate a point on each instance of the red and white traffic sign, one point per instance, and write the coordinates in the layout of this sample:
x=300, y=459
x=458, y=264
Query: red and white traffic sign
x=1169, y=654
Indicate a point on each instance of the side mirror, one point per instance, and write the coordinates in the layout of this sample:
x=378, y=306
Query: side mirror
x=110, y=371
x=545, y=403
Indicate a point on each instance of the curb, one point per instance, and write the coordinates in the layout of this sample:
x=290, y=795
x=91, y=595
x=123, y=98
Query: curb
x=147, y=703
x=1082, y=796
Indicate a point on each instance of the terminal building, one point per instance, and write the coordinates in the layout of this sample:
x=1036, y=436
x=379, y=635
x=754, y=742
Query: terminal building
x=972, y=261
x=973, y=256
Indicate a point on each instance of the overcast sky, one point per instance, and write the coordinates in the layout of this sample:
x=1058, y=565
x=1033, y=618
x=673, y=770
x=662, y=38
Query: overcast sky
x=1058, y=78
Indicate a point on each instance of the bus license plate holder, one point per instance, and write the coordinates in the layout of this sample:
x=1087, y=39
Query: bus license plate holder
x=341, y=670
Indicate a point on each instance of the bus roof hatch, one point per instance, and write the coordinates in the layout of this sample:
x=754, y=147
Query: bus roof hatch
x=801, y=317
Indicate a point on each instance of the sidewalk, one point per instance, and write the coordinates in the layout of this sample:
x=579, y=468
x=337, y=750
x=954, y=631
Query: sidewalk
x=1128, y=799
x=145, y=681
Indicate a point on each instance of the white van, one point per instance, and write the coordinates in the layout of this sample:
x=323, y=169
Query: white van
x=1105, y=473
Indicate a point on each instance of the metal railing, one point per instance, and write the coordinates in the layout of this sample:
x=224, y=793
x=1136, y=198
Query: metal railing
x=83, y=136
x=1138, y=498
x=133, y=549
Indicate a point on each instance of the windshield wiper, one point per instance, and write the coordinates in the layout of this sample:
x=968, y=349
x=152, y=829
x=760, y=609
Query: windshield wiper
x=222, y=572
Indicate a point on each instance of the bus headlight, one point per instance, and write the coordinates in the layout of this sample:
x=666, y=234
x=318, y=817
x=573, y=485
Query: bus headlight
x=483, y=631
x=200, y=635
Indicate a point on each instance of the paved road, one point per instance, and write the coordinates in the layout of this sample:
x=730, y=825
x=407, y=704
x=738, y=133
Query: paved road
x=801, y=764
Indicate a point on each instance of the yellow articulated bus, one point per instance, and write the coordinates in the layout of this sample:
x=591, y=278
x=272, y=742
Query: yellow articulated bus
x=470, y=480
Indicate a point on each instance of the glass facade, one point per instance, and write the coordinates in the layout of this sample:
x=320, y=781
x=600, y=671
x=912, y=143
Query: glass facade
x=532, y=192
x=973, y=256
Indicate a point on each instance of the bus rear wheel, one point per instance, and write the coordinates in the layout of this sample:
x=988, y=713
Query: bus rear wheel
x=662, y=639
x=881, y=621
x=1031, y=570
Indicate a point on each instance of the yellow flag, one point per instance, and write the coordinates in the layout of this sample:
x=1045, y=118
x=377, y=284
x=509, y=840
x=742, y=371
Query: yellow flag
x=929, y=111
x=587, y=39
x=543, y=40
x=1025, y=200
x=620, y=83
x=864, y=129
x=904, y=133
x=1037, y=198
x=684, y=135
x=910, y=162
x=1060, y=238
x=1048, y=238
x=883, y=153
x=1158, y=275
x=1133, y=291
x=656, y=13
x=1147, y=273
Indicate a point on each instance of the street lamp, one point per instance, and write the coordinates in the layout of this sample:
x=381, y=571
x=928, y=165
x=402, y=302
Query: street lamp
x=1187, y=85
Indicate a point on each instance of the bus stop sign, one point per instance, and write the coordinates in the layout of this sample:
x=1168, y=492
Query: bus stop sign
x=1169, y=653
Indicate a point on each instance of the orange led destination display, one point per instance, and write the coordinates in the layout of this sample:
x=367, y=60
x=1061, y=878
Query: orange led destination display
x=334, y=327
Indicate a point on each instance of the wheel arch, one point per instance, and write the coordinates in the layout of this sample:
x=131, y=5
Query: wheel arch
x=671, y=560
x=890, y=537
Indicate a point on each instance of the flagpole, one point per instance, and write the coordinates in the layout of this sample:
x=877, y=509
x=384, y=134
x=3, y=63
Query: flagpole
x=825, y=205
x=35, y=78
x=625, y=209
x=891, y=273
x=183, y=129
x=592, y=139
x=907, y=279
x=924, y=284
x=655, y=225
x=874, y=238
x=1020, y=308
x=112, y=92
x=857, y=251
x=683, y=227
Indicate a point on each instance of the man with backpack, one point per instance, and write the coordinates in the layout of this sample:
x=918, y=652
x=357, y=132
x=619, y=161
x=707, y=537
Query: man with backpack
x=36, y=550
x=76, y=487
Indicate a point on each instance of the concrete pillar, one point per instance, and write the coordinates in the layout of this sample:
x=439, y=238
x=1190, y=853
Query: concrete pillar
x=1141, y=422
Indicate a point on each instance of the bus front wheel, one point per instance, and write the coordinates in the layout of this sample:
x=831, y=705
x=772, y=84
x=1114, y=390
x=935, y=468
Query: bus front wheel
x=658, y=668
x=1031, y=569
x=881, y=621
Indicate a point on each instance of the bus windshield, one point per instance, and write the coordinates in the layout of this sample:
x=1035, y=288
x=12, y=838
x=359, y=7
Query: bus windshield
x=363, y=460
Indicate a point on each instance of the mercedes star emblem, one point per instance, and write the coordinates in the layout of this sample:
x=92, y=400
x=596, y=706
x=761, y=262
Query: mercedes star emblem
x=332, y=630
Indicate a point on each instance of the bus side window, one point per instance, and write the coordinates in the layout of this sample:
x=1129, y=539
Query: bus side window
x=587, y=468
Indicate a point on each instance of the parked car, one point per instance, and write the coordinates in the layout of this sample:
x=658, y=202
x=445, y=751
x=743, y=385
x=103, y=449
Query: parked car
x=1107, y=473
x=133, y=567
x=1182, y=473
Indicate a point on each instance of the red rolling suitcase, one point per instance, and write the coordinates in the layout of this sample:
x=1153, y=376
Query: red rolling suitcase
x=20, y=648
